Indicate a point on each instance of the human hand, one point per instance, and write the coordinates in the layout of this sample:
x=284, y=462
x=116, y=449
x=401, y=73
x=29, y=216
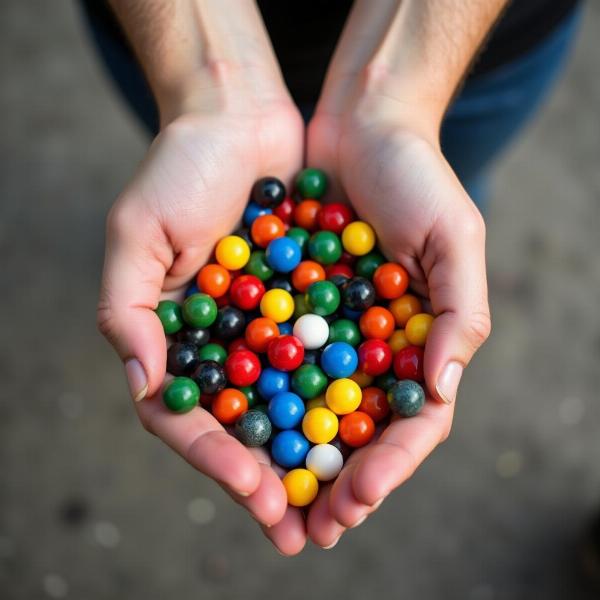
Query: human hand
x=190, y=191
x=392, y=171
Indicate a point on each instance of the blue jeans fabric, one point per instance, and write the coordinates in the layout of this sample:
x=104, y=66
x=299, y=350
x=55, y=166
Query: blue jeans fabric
x=484, y=118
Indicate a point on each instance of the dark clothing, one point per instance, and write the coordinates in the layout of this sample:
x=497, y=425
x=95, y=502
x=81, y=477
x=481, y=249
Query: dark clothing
x=304, y=35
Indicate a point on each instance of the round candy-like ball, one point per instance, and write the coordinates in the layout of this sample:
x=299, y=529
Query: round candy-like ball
x=281, y=282
x=306, y=273
x=308, y=381
x=344, y=330
x=343, y=396
x=212, y=351
x=323, y=298
x=300, y=236
x=209, y=375
x=398, y=340
x=339, y=360
x=358, y=294
x=289, y=448
x=316, y=401
x=374, y=357
x=271, y=382
x=358, y=238
x=406, y=398
x=268, y=192
x=253, y=428
x=324, y=461
x=300, y=306
x=301, y=487
x=257, y=266
x=334, y=217
x=229, y=324
x=199, y=310
x=194, y=335
x=362, y=379
x=286, y=410
x=246, y=292
x=377, y=322
x=374, y=403
x=277, y=305
x=312, y=331
x=311, y=183
x=253, y=211
x=265, y=229
x=408, y=363
x=320, y=425
x=251, y=395
x=232, y=252
x=182, y=359
x=356, y=429
x=242, y=367
x=286, y=328
x=367, y=265
x=325, y=247
x=285, y=353
x=390, y=280
x=285, y=211
x=181, y=395
x=260, y=332
x=169, y=313
x=228, y=405
x=213, y=280
x=283, y=254
x=404, y=308
x=417, y=328
x=305, y=214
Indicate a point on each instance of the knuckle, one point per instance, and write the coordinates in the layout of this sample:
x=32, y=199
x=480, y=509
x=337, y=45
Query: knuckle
x=474, y=225
x=105, y=319
x=479, y=327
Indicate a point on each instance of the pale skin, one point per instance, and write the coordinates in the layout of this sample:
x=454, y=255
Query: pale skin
x=227, y=120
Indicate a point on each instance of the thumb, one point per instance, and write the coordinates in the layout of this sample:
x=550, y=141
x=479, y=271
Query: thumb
x=137, y=258
x=458, y=292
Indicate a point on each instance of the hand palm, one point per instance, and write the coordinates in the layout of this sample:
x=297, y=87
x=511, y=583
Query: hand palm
x=401, y=184
x=189, y=192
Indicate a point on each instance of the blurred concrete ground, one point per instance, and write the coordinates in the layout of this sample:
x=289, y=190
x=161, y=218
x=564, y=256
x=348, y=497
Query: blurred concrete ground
x=92, y=507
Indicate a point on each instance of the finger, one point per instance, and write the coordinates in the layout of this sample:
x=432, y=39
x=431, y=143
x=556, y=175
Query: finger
x=343, y=505
x=454, y=261
x=201, y=440
x=402, y=447
x=321, y=527
x=268, y=502
x=137, y=258
x=289, y=535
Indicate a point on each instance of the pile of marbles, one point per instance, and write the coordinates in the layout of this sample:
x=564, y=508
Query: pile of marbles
x=299, y=335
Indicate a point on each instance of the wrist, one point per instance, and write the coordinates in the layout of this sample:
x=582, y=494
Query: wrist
x=377, y=98
x=223, y=87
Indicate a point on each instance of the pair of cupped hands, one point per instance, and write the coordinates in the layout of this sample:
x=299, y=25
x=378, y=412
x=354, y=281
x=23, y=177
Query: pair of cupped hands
x=191, y=190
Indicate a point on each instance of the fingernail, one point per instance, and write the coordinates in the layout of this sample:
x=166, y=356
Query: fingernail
x=136, y=378
x=359, y=522
x=337, y=539
x=448, y=381
x=243, y=494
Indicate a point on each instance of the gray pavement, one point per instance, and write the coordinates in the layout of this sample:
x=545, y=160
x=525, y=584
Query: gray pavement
x=91, y=507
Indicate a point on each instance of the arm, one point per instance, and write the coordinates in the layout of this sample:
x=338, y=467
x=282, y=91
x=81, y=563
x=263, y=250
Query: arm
x=196, y=53
x=226, y=120
x=376, y=129
x=412, y=52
